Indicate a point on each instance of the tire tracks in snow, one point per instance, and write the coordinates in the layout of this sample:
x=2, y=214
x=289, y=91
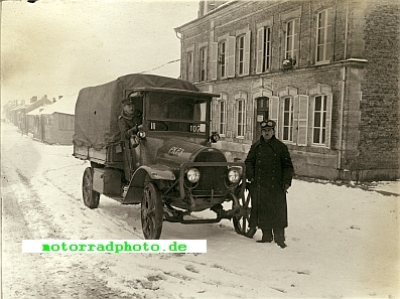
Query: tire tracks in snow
x=120, y=222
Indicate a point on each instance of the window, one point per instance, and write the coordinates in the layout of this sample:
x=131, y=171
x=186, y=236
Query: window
x=241, y=50
x=189, y=69
x=322, y=32
x=290, y=40
x=222, y=117
x=222, y=58
x=241, y=120
x=177, y=113
x=263, y=50
x=319, y=123
x=203, y=64
x=287, y=119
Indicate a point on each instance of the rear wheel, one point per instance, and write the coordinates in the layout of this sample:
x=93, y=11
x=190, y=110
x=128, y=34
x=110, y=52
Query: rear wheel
x=91, y=198
x=151, y=212
x=241, y=220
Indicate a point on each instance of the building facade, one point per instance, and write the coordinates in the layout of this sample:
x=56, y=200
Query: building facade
x=327, y=71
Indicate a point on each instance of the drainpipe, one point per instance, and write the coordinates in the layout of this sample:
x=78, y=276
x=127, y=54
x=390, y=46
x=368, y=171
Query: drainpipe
x=341, y=120
x=343, y=90
x=346, y=26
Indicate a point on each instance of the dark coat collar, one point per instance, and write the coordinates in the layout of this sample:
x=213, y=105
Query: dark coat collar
x=126, y=116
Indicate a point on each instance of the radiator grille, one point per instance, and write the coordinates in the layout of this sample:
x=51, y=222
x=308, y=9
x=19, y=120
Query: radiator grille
x=212, y=177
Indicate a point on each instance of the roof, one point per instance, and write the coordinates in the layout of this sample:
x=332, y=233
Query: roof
x=65, y=105
x=218, y=8
x=35, y=111
x=37, y=104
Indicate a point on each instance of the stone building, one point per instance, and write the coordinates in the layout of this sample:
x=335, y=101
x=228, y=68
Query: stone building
x=327, y=71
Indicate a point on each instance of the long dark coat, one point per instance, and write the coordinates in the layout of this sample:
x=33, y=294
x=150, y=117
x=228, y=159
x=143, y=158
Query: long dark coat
x=128, y=124
x=269, y=166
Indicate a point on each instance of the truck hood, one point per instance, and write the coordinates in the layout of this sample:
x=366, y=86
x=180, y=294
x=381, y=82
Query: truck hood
x=173, y=153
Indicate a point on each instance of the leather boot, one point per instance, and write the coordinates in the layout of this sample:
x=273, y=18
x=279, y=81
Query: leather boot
x=267, y=236
x=279, y=236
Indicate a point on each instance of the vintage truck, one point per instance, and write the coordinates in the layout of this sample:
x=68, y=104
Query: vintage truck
x=169, y=167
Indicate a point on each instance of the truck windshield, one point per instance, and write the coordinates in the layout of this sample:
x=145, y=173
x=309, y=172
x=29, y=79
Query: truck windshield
x=181, y=113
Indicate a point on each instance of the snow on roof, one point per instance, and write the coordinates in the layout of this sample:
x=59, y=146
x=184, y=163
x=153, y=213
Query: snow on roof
x=65, y=105
x=36, y=111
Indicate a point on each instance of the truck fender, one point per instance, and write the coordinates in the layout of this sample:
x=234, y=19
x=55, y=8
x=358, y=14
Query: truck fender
x=155, y=172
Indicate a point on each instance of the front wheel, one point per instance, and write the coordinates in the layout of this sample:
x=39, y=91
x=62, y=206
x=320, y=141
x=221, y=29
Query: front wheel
x=91, y=198
x=151, y=212
x=241, y=220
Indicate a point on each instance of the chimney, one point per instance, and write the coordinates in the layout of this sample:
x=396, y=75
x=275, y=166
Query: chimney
x=33, y=99
x=54, y=100
x=59, y=97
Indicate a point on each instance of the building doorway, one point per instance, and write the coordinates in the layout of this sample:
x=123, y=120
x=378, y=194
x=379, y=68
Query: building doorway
x=262, y=113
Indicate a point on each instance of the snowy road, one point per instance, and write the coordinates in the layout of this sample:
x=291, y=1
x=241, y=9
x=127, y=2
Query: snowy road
x=342, y=242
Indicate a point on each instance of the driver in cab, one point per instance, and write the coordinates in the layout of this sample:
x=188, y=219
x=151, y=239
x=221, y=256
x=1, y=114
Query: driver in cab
x=130, y=120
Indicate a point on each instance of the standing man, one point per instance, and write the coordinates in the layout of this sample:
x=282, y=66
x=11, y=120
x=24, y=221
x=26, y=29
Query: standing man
x=270, y=170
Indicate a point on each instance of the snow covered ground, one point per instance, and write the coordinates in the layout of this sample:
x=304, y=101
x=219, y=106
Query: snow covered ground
x=343, y=242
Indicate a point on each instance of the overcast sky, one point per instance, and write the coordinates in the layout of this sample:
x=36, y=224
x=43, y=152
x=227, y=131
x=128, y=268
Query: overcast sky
x=56, y=47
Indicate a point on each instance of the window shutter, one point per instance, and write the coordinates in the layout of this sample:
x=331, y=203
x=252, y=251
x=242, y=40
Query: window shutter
x=260, y=43
x=295, y=118
x=302, y=120
x=214, y=60
x=230, y=67
x=296, y=40
x=328, y=121
x=329, y=35
x=247, y=40
x=274, y=112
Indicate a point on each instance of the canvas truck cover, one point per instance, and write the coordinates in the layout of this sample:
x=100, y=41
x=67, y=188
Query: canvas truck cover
x=98, y=107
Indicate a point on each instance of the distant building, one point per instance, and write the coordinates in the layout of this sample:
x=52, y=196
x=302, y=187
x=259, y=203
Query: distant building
x=31, y=122
x=327, y=71
x=54, y=124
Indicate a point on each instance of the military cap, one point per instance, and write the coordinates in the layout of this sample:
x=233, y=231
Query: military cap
x=128, y=101
x=267, y=124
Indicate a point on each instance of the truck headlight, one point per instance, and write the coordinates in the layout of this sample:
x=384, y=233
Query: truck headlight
x=233, y=176
x=193, y=175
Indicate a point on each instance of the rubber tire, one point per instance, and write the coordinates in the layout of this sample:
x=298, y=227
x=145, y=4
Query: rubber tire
x=151, y=212
x=91, y=198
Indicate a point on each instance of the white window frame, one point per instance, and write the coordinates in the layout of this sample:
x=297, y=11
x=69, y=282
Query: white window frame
x=324, y=115
x=241, y=41
x=222, y=59
x=243, y=114
x=189, y=69
x=291, y=117
x=289, y=53
x=203, y=64
x=266, y=66
x=318, y=43
x=223, y=114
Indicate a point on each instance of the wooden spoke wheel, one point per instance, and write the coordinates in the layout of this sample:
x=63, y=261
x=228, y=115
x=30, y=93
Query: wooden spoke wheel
x=241, y=219
x=151, y=212
x=91, y=198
